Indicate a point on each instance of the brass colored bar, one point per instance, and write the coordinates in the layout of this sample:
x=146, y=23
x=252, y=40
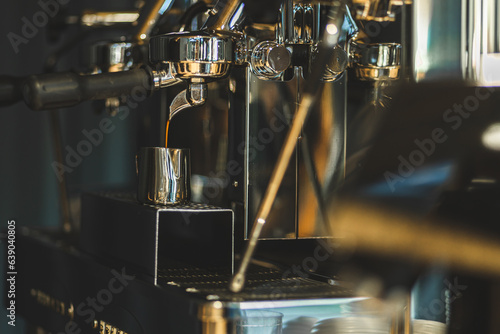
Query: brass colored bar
x=392, y=235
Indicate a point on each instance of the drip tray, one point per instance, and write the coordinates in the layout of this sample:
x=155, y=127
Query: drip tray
x=261, y=284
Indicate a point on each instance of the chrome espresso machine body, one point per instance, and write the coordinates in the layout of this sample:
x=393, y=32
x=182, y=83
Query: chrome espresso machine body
x=290, y=157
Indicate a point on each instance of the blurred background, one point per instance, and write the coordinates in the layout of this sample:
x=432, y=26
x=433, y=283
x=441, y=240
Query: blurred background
x=29, y=192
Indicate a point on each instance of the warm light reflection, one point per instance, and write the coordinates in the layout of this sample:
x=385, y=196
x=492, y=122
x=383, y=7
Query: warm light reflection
x=421, y=36
x=491, y=137
x=332, y=29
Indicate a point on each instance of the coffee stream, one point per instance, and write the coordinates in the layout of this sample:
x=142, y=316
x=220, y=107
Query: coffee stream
x=166, y=133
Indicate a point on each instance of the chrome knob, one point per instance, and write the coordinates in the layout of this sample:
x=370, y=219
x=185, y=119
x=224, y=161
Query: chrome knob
x=270, y=59
x=337, y=65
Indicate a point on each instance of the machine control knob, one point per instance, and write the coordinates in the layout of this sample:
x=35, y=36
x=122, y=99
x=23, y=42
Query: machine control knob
x=270, y=59
x=335, y=67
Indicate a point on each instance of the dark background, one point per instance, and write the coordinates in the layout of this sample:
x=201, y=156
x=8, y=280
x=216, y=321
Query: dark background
x=28, y=183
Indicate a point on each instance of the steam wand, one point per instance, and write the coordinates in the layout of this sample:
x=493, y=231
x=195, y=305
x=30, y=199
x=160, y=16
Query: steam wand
x=330, y=40
x=150, y=14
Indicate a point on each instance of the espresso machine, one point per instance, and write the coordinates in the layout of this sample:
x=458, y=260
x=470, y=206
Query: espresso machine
x=287, y=166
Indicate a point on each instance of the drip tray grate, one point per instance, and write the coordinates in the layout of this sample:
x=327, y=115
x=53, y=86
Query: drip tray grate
x=262, y=284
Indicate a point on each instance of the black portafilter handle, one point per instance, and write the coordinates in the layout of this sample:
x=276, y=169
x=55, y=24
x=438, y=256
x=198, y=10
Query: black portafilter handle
x=60, y=90
x=11, y=90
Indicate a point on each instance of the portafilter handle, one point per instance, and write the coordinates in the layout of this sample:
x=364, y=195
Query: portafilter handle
x=67, y=89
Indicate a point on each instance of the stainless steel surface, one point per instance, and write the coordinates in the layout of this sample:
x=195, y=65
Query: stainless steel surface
x=180, y=102
x=465, y=46
x=164, y=77
x=270, y=195
x=113, y=56
x=381, y=61
x=300, y=22
x=197, y=93
x=267, y=118
x=164, y=176
x=269, y=59
x=305, y=23
x=338, y=64
x=249, y=80
x=194, y=96
x=331, y=37
x=110, y=226
x=194, y=54
x=326, y=135
x=483, y=41
x=285, y=26
x=206, y=70
x=199, y=47
x=438, y=40
x=189, y=52
x=270, y=107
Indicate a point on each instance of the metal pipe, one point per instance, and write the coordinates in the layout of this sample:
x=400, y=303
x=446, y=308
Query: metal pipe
x=272, y=189
x=150, y=13
x=224, y=16
x=286, y=22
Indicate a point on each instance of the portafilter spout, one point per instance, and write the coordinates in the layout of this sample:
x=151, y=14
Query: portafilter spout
x=194, y=96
